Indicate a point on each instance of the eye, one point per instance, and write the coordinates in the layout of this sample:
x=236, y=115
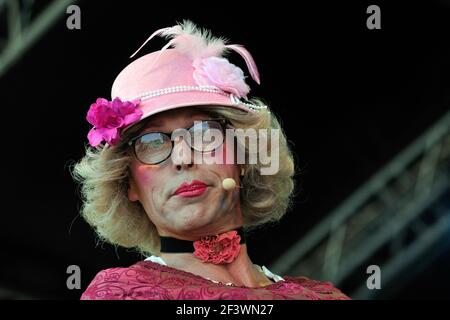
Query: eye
x=152, y=141
x=211, y=134
x=156, y=143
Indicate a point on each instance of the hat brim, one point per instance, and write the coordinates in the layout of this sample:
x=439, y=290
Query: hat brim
x=185, y=99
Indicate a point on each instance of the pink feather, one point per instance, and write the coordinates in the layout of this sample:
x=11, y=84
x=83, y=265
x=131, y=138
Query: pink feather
x=251, y=65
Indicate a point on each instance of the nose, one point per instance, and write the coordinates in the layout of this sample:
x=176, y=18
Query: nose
x=182, y=154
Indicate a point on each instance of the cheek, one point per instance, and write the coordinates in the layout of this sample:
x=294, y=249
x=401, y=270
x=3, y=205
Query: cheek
x=228, y=168
x=144, y=176
x=226, y=152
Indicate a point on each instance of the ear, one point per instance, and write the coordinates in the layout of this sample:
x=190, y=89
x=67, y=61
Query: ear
x=132, y=190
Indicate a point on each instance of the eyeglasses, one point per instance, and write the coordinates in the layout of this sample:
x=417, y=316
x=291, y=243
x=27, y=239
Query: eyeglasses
x=156, y=147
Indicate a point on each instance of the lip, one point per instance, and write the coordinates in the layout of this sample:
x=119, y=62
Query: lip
x=194, y=189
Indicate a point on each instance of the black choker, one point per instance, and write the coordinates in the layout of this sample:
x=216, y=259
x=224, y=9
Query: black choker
x=174, y=245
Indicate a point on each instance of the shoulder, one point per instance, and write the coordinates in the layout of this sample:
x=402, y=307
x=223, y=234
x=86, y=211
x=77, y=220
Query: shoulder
x=323, y=290
x=132, y=282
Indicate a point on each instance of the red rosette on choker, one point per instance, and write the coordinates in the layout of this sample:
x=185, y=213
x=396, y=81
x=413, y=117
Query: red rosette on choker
x=218, y=249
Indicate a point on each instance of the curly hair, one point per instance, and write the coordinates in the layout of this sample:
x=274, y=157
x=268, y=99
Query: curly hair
x=103, y=175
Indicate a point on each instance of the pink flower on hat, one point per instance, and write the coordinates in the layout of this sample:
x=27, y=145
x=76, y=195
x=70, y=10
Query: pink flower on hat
x=223, y=248
x=108, y=117
x=221, y=73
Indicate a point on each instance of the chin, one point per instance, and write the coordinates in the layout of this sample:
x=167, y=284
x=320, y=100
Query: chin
x=192, y=220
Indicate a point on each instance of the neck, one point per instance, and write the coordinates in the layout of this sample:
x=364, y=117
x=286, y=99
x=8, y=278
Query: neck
x=176, y=245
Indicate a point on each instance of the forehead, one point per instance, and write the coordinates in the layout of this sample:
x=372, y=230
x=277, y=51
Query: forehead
x=175, y=118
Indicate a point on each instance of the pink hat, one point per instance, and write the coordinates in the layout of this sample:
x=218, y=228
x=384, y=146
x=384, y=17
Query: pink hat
x=193, y=73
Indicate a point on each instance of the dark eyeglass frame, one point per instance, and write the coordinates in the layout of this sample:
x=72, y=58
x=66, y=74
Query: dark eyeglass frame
x=132, y=143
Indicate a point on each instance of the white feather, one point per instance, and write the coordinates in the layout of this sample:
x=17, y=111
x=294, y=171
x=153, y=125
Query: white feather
x=197, y=43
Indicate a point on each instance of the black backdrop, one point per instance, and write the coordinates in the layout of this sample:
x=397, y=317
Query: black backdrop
x=349, y=99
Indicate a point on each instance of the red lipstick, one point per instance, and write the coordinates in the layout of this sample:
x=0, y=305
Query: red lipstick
x=194, y=189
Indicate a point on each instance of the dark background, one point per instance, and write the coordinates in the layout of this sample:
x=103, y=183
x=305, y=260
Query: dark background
x=349, y=99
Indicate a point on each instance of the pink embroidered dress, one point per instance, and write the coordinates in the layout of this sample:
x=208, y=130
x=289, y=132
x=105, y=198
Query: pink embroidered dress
x=152, y=279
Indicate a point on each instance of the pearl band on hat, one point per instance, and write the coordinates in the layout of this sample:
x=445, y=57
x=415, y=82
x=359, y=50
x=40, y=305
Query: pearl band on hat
x=160, y=92
x=213, y=89
x=237, y=101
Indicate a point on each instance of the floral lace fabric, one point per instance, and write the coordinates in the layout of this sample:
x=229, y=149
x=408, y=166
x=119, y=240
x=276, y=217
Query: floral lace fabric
x=147, y=280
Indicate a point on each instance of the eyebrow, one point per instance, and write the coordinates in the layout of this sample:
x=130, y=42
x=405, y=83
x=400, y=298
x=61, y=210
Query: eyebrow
x=151, y=124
